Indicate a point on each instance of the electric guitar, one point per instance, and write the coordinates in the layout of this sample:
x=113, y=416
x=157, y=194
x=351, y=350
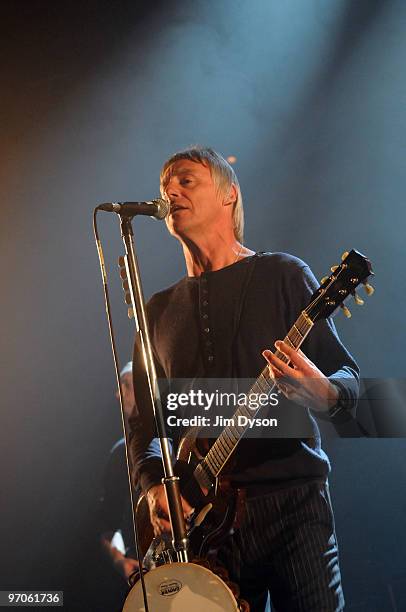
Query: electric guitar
x=217, y=504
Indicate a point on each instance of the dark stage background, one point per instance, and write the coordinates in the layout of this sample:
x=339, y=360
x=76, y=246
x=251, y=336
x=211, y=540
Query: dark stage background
x=310, y=97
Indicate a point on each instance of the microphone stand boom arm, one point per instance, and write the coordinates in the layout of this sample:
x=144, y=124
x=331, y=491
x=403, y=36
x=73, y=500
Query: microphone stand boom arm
x=170, y=481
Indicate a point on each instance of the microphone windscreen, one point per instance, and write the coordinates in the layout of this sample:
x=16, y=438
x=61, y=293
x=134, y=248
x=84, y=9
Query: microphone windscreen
x=162, y=208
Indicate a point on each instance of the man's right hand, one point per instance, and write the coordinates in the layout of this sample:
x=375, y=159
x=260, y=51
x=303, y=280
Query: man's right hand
x=158, y=509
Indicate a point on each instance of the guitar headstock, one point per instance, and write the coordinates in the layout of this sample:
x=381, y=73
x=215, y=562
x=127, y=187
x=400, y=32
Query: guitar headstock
x=354, y=270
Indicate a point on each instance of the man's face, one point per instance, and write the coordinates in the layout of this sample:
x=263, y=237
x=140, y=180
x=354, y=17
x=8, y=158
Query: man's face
x=128, y=393
x=196, y=204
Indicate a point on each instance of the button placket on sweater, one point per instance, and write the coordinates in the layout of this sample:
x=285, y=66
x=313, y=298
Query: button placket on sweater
x=205, y=321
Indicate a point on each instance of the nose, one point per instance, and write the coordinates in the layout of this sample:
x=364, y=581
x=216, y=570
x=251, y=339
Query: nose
x=173, y=194
x=172, y=190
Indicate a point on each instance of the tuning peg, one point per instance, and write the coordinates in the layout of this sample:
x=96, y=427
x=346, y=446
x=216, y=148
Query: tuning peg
x=369, y=289
x=346, y=311
x=344, y=255
x=130, y=313
x=334, y=268
x=323, y=280
x=121, y=261
x=357, y=299
x=127, y=298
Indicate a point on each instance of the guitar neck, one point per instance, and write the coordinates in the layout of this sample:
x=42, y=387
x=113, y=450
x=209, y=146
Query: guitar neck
x=211, y=466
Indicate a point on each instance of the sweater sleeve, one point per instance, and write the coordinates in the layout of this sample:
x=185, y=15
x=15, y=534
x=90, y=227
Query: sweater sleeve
x=325, y=349
x=145, y=451
x=144, y=444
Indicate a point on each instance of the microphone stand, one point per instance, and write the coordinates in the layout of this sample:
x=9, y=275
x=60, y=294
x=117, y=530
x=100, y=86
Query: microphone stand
x=170, y=481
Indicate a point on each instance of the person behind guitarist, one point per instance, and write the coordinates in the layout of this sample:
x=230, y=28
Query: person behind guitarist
x=221, y=321
x=114, y=512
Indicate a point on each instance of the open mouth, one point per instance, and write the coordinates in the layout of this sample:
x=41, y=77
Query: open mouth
x=177, y=207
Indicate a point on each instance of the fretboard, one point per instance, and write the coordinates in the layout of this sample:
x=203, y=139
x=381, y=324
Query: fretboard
x=210, y=467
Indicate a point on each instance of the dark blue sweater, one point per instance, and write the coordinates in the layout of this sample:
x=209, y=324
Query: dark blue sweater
x=216, y=326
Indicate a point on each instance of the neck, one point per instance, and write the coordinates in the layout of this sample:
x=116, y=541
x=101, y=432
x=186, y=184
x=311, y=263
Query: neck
x=208, y=255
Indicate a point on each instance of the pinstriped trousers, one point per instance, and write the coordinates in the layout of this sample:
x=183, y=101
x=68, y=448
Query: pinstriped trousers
x=287, y=545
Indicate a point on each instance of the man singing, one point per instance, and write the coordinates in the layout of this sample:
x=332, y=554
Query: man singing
x=221, y=321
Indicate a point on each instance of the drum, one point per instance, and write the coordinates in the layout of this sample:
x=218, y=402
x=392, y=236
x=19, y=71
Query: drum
x=181, y=587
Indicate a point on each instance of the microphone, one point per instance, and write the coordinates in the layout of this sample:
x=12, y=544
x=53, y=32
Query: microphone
x=158, y=208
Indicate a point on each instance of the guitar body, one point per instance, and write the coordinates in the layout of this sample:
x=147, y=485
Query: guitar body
x=220, y=506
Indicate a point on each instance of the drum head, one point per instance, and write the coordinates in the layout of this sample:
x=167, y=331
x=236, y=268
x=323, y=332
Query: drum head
x=181, y=587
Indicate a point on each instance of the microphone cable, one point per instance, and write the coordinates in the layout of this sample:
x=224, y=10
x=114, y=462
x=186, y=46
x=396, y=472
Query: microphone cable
x=117, y=371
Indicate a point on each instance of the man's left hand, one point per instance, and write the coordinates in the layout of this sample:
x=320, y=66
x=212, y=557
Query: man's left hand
x=301, y=380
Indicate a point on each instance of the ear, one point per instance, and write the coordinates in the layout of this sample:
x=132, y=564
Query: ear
x=231, y=196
